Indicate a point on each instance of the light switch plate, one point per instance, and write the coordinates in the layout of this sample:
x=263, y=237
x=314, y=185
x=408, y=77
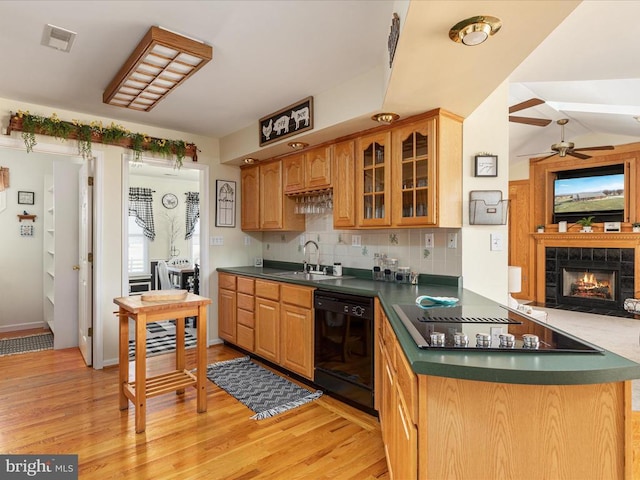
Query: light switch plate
x=428, y=240
x=496, y=242
x=452, y=240
x=356, y=240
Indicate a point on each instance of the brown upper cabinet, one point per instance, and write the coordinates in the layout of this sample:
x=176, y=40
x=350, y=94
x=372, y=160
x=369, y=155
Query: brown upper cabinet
x=307, y=171
x=408, y=175
x=250, y=191
x=373, y=180
x=263, y=197
x=344, y=171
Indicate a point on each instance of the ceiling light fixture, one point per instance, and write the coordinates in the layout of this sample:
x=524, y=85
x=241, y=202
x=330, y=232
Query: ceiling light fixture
x=385, y=117
x=58, y=38
x=160, y=62
x=475, y=30
x=298, y=145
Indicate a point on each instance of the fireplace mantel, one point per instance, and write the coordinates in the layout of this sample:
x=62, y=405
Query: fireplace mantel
x=584, y=240
x=594, y=239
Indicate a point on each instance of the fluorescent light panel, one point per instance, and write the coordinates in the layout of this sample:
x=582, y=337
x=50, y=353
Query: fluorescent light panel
x=161, y=62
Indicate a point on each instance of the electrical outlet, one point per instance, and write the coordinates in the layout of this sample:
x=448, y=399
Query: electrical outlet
x=495, y=336
x=496, y=242
x=452, y=240
x=428, y=240
x=356, y=240
x=247, y=240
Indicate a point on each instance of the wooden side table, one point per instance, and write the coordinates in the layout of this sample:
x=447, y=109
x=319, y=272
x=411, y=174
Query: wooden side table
x=143, y=312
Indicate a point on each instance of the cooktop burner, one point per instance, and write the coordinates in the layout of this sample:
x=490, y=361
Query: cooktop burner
x=487, y=328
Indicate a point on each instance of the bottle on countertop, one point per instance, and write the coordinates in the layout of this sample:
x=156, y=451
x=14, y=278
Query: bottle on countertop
x=337, y=269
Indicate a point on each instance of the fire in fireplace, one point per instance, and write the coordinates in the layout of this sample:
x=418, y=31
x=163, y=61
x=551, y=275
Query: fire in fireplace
x=597, y=285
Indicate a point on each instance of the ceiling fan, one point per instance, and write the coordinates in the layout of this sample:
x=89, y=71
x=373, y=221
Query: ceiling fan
x=532, y=102
x=566, y=148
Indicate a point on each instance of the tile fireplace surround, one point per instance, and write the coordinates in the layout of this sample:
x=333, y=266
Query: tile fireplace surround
x=618, y=251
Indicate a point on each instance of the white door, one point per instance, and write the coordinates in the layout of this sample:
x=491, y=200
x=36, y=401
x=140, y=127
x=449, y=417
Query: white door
x=85, y=273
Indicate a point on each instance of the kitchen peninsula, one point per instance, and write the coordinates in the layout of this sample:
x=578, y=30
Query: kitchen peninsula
x=474, y=414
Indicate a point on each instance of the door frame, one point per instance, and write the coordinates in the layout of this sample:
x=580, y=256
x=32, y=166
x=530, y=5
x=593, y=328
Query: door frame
x=98, y=205
x=204, y=217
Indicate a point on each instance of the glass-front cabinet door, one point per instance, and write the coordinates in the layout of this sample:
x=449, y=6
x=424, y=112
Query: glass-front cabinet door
x=414, y=189
x=374, y=180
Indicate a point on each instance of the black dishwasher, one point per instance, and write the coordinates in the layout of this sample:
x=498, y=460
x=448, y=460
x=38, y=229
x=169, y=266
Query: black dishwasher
x=343, y=363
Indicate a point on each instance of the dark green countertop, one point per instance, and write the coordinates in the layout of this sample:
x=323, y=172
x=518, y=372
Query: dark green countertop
x=502, y=367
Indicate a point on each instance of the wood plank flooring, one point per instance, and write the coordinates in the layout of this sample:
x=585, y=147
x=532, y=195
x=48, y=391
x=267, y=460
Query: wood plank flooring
x=53, y=403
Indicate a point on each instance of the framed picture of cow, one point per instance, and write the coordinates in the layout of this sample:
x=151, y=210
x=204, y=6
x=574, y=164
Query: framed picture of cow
x=291, y=120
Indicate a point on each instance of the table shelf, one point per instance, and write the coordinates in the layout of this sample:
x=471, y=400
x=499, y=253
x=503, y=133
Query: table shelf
x=165, y=383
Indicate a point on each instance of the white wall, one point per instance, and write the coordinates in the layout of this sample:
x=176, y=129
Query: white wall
x=21, y=258
x=486, y=130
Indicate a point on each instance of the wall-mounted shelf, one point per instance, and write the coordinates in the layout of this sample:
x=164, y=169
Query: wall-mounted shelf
x=486, y=207
x=27, y=217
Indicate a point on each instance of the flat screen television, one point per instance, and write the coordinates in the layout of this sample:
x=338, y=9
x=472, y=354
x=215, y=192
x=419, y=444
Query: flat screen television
x=597, y=192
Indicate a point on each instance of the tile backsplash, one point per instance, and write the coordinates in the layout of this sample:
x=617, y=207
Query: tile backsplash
x=407, y=245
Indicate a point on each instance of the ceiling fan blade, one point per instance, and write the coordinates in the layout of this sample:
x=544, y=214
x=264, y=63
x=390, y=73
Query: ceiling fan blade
x=602, y=147
x=538, y=122
x=544, y=158
x=581, y=156
x=531, y=155
x=532, y=102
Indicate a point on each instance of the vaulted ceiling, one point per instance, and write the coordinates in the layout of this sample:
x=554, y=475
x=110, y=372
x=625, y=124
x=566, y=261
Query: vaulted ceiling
x=269, y=54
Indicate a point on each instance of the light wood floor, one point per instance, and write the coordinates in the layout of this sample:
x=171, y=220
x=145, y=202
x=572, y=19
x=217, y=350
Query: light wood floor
x=53, y=403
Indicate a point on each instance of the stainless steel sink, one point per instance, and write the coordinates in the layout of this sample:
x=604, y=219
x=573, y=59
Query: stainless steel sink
x=306, y=276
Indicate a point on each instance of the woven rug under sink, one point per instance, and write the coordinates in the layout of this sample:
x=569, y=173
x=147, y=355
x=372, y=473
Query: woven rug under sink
x=264, y=392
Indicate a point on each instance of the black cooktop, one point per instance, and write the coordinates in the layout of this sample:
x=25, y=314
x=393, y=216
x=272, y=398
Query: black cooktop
x=485, y=328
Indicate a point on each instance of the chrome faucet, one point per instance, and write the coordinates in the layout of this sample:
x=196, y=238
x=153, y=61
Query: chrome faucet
x=304, y=251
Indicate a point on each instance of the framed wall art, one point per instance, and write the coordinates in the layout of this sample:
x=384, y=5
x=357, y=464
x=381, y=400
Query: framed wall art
x=25, y=198
x=291, y=120
x=486, y=166
x=225, y=203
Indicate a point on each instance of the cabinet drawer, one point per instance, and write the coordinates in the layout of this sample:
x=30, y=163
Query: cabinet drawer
x=244, y=301
x=407, y=383
x=246, y=285
x=266, y=289
x=245, y=337
x=226, y=281
x=295, y=295
x=245, y=318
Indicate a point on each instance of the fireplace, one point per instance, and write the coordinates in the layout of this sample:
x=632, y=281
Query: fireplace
x=589, y=279
x=588, y=284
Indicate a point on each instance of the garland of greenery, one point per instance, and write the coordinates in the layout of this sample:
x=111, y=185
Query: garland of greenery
x=86, y=134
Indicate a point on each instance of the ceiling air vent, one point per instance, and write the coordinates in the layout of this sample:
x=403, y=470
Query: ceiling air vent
x=58, y=38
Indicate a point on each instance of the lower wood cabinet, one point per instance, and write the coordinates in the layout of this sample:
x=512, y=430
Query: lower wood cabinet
x=227, y=307
x=397, y=404
x=274, y=320
x=267, y=329
x=296, y=329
